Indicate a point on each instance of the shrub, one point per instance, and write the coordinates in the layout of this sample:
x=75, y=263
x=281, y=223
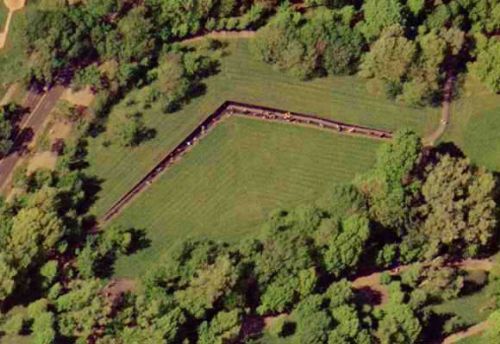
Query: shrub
x=385, y=278
x=279, y=326
x=14, y=324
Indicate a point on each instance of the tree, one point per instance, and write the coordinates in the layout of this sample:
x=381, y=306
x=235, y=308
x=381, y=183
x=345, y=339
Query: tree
x=347, y=245
x=416, y=6
x=56, y=38
x=34, y=232
x=207, y=286
x=280, y=43
x=380, y=14
x=278, y=296
x=459, y=208
x=343, y=50
x=343, y=200
x=306, y=46
x=487, y=64
x=389, y=57
x=136, y=42
x=6, y=131
x=31, y=235
x=224, y=327
x=312, y=321
x=398, y=325
x=81, y=309
x=440, y=282
x=484, y=15
x=339, y=293
x=43, y=328
x=389, y=186
x=7, y=276
x=132, y=130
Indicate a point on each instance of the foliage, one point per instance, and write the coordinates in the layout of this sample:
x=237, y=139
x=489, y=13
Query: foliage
x=380, y=14
x=486, y=66
x=309, y=46
x=208, y=286
x=459, y=209
x=81, y=309
x=224, y=327
x=389, y=186
x=7, y=119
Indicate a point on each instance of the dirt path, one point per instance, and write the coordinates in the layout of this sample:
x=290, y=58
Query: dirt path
x=220, y=35
x=228, y=109
x=116, y=288
x=445, y=110
x=371, y=282
x=471, y=331
x=12, y=5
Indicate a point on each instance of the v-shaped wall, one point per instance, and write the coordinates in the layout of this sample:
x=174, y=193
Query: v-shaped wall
x=227, y=184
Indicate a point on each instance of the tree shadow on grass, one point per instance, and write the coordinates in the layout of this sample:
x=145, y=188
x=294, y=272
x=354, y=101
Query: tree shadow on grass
x=449, y=148
x=91, y=187
x=139, y=240
x=105, y=267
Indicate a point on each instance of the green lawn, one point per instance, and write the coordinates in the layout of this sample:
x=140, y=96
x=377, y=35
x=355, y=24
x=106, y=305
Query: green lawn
x=234, y=177
x=4, y=11
x=243, y=78
x=13, y=61
x=475, y=125
x=473, y=308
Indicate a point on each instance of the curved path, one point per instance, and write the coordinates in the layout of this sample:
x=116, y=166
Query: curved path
x=445, y=110
x=469, y=332
x=12, y=5
x=227, y=109
x=372, y=281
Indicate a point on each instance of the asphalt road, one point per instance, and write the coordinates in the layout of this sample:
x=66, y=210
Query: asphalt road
x=40, y=105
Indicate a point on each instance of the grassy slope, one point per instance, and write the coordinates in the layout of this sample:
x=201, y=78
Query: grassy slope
x=471, y=308
x=243, y=78
x=234, y=177
x=475, y=125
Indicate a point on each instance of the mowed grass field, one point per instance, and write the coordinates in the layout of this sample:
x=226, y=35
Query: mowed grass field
x=472, y=308
x=232, y=179
x=475, y=125
x=244, y=78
